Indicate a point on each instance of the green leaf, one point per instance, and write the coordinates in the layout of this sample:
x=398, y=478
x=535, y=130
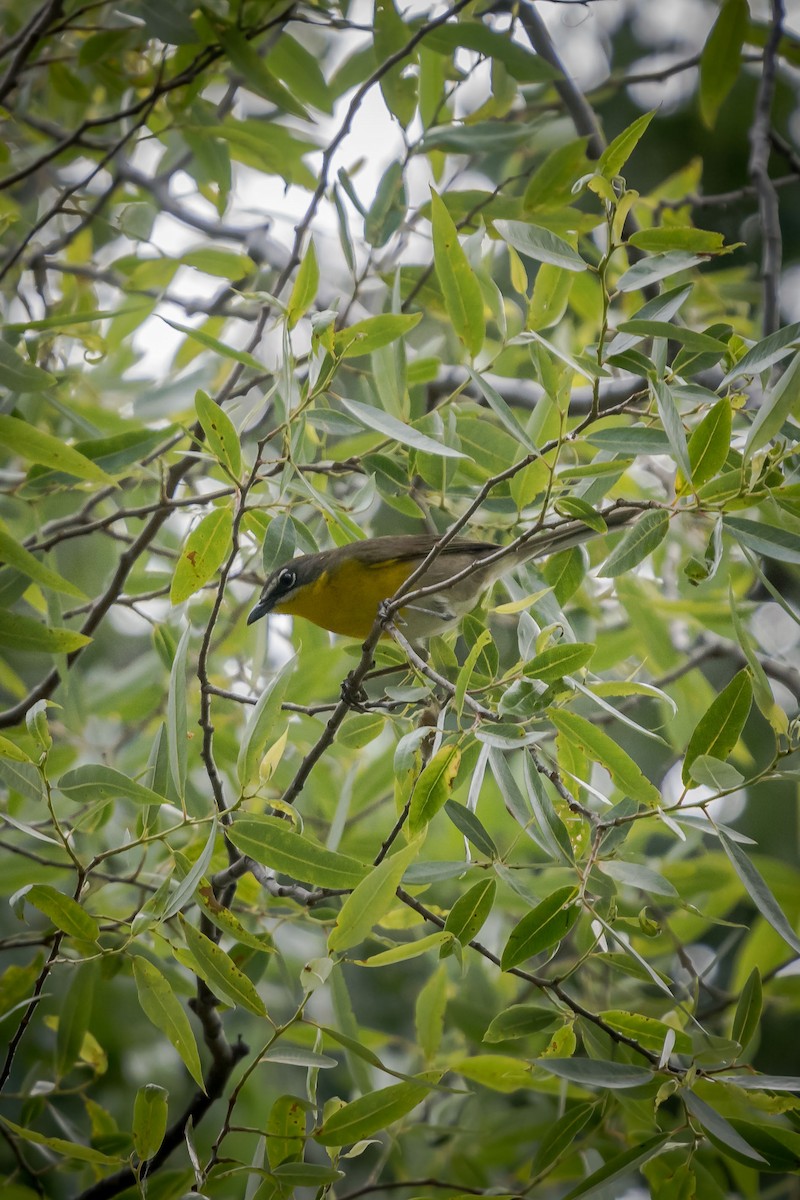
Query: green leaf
x=626, y=774
x=389, y=207
x=673, y=426
x=65, y=913
x=75, y=1014
x=638, y=876
x=758, y=891
x=719, y=729
x=655, y=268
x=95, y=782
x=271, y=841
x=211, y=343
x=561, y=1136
x=149, y=1120
x=596, y=1073
x=540, y=244
x=227, y=923
x=552, y=832
x=630, y=439
x=544, y=926
x=429, y=1012
x=212, y=260
x=618, y=1168
x=467, y=823
x=753, y=1082
x=719, y=1127
x=20, y=559
x=557, y=661
x=18, y=375
x=574, y=506
x=204, y=551
x=73, y=1150
x=775, y=409
x=462, y=294
x=769, y=540
x=264, y=725
x=220, y=972
x=466, y=671
x=491, y=43
x=710, y=443
x=374, y=418
x=304, y=288
x=221, y=435
x=502, y=411
x=721, y=58
x=677, y=237
x=617, y=152
x=640, y=540
x=748, y=1010
x=766, y=353
x=161, y=1006
x=471, y=910
x=665, y=329
x=714, y=773
x=177, y=719
x=372, y=333
x=286, y=1127
x=409, y=950
x=522, y=1020
x=371, y=1114
x=26, y=634
x=300, y=70
x=433, y=788
x=550, y=185
x=500, y=1072
x=370, y=901
x=38, y=447
x=280, y=542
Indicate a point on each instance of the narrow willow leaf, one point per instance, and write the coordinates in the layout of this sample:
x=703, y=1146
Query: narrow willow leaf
x=544, y=926
x=759, y=892
x=596, y=1073
x=18, y=375
x=466, y=671
x=177, y=720
x=20, y=559
x=433, y=788
x=26, y=634
x=471, y=910
x=188, y=885
x=429, y=1012
x=502, y=411
x=372, y=333
x=721, y=58
x=500, y=1072
x=65, y=913
x=462, y=294
x=149, y=1120
x=161, y=1006
x=374, y=418
x=677, y=237
x=748, y=1010
x=468, y=824
x=719, y=729
x=690, y=338
x=227, y=923
x=95, y=782
x=673, y=426
x=766, y=353
x=220, y=972
x=75, y=1014
x=304, y=288
x=264, y=724
x=617, y=152
x=618, y=1168
x=561, y=1136
x=211, y=343
x=638, y=876
x=710, y=442
x=272, y=841
x=627, y=775
x=370, y=901
x=656, y=267
x=540, y=244
x=522, y=1020
x=552, y=830
x=775, y=409
x=204, y=551
x=286, y=1127
x=71, y=1150
x=558, y=661
x=638, y=542
x=280, y=542
x=221, y=435
x=718, y=1127
x=408, y=950
x=769, y=540
x=371, y=1114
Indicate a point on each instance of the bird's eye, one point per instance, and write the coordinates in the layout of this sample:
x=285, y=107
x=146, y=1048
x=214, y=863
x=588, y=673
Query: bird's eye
x=287, y=578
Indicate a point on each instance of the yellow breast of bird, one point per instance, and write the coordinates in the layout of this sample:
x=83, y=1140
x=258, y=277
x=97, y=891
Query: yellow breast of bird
x=346, y=601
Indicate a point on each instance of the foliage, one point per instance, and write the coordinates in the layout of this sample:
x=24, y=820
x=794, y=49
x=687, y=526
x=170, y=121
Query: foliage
x=513, y=916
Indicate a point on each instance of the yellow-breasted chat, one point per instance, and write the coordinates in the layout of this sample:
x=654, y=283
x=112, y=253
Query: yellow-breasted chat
x=342, y=589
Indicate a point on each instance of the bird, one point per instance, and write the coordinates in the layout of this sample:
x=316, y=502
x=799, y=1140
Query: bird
x=341, y=590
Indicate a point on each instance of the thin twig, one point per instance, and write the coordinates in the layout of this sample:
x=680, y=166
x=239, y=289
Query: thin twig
x=769, y=212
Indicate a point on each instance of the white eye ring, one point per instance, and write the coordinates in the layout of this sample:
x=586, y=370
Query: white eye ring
x=287, y=578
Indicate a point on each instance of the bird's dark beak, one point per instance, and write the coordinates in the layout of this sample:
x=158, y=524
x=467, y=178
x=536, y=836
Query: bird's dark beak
x=260, y=610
